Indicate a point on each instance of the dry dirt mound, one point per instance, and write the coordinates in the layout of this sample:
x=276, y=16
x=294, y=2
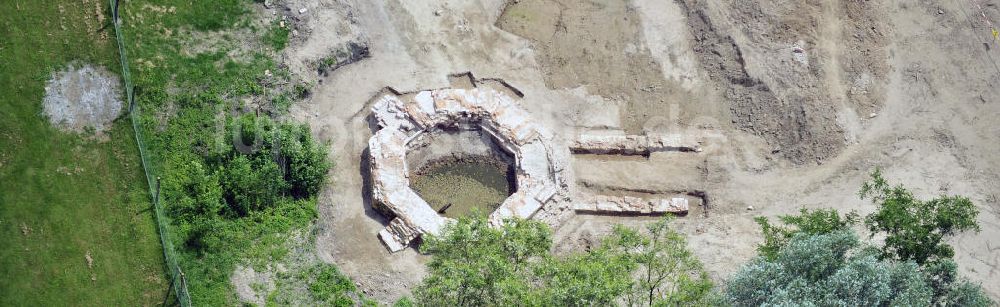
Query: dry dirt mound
x=795, y=73
x=84, y=98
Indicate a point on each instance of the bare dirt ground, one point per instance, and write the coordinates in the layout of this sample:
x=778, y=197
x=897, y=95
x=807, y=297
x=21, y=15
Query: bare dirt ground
x=82, y=99
x=803, y=98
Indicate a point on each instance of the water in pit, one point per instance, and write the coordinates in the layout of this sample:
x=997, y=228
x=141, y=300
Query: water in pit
x=467, y=185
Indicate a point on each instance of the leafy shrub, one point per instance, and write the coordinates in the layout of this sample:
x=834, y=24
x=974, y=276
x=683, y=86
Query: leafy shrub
x=599, y=278
x=950, y=289
x=193, y=192
x=269, y=165
x=307, y=164
x=232, y=203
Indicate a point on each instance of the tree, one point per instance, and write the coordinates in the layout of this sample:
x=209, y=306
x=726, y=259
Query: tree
x=912, y=266
x=914, y=228
x=668, y=273
x=950, y=289
x=307, y=164
x=475, y=264
x=599, y=277
x=827, y=269
x=965, y=293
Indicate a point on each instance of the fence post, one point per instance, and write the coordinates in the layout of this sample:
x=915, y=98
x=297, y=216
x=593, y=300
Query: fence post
x=156, y=198
x=169, y=289
x=114, y=11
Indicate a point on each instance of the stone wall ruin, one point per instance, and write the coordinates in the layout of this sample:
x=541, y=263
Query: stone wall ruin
x=403, y=120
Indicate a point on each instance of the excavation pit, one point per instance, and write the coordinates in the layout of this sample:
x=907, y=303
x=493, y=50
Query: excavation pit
x=460, y=173
x=478, y=123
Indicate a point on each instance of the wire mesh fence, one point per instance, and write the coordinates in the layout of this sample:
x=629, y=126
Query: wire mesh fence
x=178, y=283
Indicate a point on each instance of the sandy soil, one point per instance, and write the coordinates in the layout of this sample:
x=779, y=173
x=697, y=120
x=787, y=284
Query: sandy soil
x=803, y=99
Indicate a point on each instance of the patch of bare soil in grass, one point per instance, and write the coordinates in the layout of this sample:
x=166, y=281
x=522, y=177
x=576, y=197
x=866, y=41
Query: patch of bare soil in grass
x=82, y=99
x=325, y=35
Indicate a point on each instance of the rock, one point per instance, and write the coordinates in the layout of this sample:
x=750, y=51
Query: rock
x=872, y=115
x=632, y=205
x=633, y=144
x=749, y=208
x=799, y=53
x=438, y=12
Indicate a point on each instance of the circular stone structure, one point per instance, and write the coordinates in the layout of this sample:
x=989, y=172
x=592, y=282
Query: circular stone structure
x=403, y=118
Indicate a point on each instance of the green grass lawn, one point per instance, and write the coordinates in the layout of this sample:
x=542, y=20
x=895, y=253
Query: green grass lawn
x=63, y=195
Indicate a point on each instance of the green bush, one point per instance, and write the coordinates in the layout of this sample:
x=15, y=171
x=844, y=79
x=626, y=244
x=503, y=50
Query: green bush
x=268, y=165
x=827, y=270
x=193, y=192
x=251, y=185
x=232, y=186
x=307, y=164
